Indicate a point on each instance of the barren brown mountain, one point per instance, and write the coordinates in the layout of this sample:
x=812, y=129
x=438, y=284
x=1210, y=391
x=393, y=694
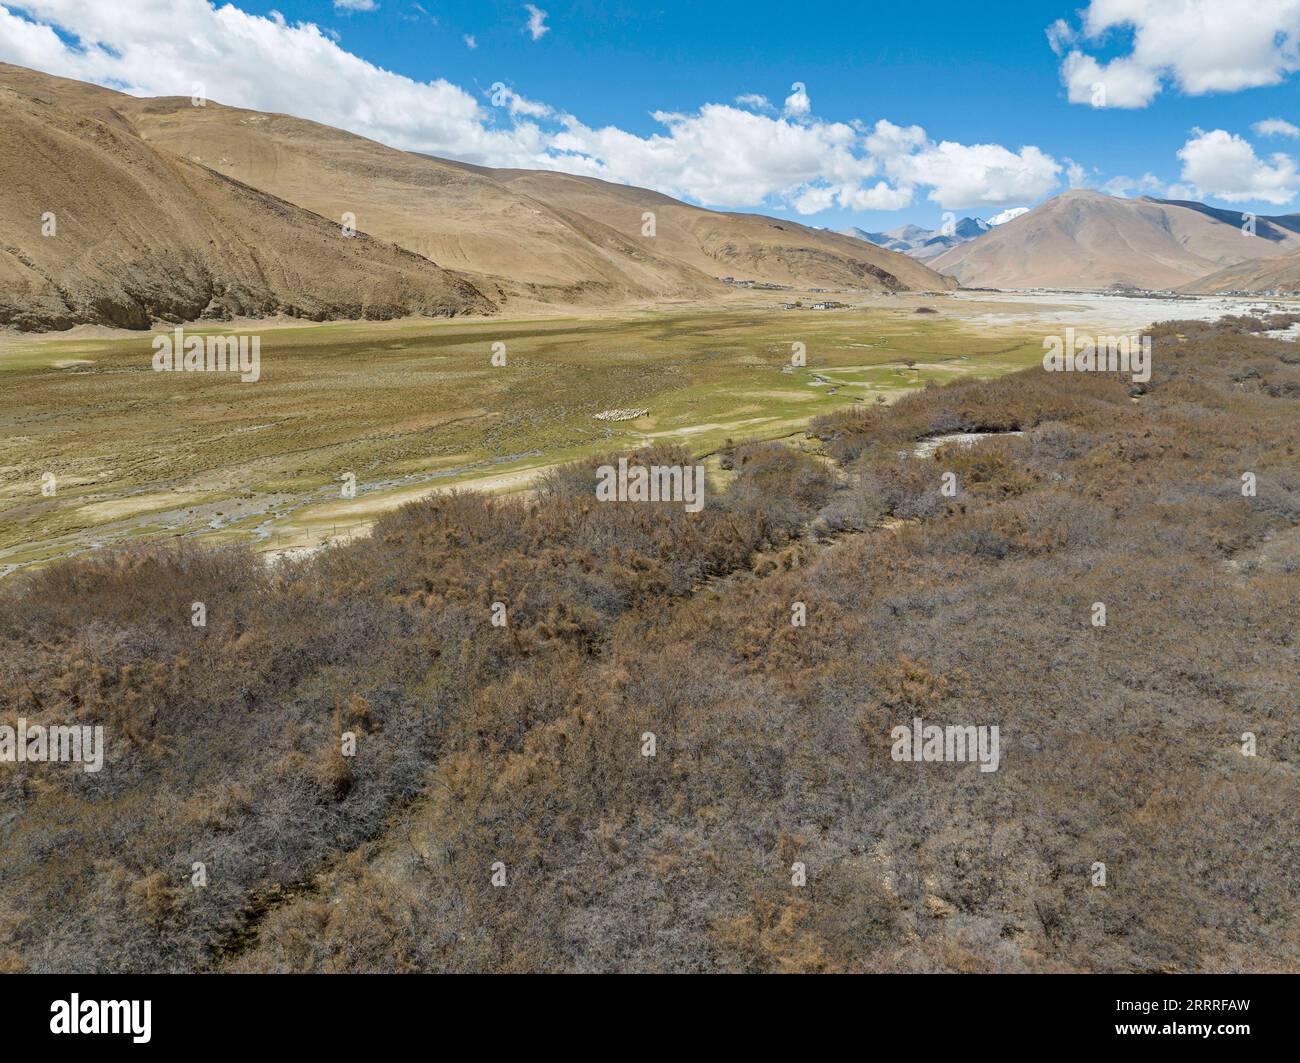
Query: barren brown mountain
x=746, y=246
x=1085, y=239
x=1258, y=275
x=512, y=244
x=516, y=235
x=97, y=226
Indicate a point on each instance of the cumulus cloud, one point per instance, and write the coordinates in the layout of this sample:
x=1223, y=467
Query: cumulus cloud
x=1146, y=185
x=356, y=5
x=501, y=95
x=1077, y=175
x=1199, y=46
x=888, y=140
x=856, y=197
x=147, y=48
x=973, y=175
x=962, y=175
x=471, y=42
x=719, y=155
x=723, y=155
x=1275, y=127
x=537, y=26
x=1223, y=164
x=1122, y=82
x=797, y=103
x=754, y=101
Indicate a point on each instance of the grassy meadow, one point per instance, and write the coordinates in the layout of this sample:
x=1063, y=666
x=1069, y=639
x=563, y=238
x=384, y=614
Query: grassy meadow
x=414, y=407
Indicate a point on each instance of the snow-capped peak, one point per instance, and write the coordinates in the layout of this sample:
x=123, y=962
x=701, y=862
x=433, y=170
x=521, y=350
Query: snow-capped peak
x=1006, y=215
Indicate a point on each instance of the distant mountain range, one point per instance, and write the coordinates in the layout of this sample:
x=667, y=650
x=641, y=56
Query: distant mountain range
x=1086, y=239
x=167, y=211
x=922, y=243
x=926, y=244
x=162, y=211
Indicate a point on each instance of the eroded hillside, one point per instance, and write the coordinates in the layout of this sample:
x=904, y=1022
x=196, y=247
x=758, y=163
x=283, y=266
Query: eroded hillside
x=98, y=227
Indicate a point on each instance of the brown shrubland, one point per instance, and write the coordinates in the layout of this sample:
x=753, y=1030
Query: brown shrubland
x=523, y=745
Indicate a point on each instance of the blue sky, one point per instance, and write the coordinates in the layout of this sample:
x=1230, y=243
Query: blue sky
x=584, y=86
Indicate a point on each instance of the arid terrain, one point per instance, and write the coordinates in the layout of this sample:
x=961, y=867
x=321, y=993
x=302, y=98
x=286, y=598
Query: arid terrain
x=157, y=204
x=391, y=679
x=501, y=811
x=1087, y=239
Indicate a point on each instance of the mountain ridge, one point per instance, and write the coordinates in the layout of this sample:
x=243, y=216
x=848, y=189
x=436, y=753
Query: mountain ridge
x=97, y=227
x=1087, y=239
x=472, y=239
x=920, y=243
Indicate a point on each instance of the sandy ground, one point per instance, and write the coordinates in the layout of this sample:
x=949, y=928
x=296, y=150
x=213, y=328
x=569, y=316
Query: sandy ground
x=1099, y=310
x=318, y=526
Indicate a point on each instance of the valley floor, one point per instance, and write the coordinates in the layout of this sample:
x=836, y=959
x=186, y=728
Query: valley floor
x=413, y=407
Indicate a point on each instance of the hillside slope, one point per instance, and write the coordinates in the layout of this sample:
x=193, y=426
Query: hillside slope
x=534, y=235
x=744, y=246
x=1256, y=276
x=1085, y=239
x=448, y=213
x=137, y=235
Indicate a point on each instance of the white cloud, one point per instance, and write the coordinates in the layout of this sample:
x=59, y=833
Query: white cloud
x=719, y=155
x=797, y=103
x=962, y=175
x=887, y=140
x=536, y=22
x=754, y=101
x=814, y=200
x=147, y=48
x=1077, y=175
x=502, y=96
x=722, y=155
x=356, y=5
x=471, y=42
x=1199, y=46
x=879, y=196
x=857, y=197
x=1119, y=83
x=1060, y=35
x=1222, y=164
x=1275, y=127
x=1146, y=185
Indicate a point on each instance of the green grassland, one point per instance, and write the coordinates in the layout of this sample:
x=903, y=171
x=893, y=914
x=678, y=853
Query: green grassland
x=410, y=407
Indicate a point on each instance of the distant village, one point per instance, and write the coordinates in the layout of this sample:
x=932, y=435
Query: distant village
x=825, y=304
x=736, y=282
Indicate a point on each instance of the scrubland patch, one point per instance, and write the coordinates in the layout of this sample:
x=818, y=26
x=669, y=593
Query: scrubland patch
x=523, y=744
